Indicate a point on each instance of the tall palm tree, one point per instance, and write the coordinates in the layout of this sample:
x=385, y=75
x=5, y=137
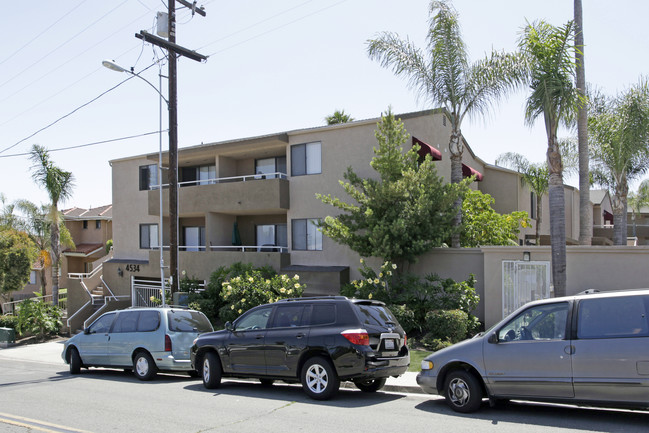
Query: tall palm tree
x=619, y=139
x=638, y=200
x=549, y=50
x=444, y=76
x=535, y=176
x=58, y=183
x=38, y=227
x=585, y=209
x=339, y=116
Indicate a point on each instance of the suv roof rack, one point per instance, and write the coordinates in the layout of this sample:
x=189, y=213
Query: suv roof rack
x=311, y=298
x=588, y=292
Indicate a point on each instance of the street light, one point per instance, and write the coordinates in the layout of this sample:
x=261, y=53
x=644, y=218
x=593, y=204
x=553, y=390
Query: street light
x=110, y=64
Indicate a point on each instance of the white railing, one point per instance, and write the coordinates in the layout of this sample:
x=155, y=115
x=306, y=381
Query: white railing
x=9, y=308
x=85, y=276
x=250, y=248
x=246, y=178
x=101, y=309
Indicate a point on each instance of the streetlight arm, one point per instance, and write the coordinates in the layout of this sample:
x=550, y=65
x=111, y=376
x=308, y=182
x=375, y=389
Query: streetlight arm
x=110, y=64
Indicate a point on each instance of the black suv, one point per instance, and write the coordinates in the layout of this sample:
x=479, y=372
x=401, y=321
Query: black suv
x=316, y=341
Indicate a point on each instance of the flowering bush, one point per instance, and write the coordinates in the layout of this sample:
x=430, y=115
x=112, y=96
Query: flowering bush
x=253, y=288
x=373, y=285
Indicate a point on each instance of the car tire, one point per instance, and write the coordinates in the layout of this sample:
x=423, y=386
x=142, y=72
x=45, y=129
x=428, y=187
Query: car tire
x=144, y=367
x=75, y=361
x=211, y=371
x=266, y=382
x=463, y=391
x=319, y=379
x=370, y=385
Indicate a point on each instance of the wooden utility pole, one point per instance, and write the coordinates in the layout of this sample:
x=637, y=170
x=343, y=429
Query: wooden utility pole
x=173, y=50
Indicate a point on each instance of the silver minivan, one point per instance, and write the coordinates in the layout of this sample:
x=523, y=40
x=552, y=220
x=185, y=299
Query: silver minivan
x=592, y=349
x=146, y=340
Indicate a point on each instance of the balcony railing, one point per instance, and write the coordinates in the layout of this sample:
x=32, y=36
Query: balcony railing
x=241, y=248
x=246, y=178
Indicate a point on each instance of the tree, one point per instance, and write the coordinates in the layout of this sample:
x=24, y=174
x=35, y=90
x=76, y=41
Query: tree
x=339, y=116
x=404, y=213
x=482, y=225
x=8, y=219
x=619, y=139
x=38, y=226
x=551, y=67
x=447, y=78
x=585, y=209
x=17, y=253
x=58, y=183
x=535, y=176
x=638, y=200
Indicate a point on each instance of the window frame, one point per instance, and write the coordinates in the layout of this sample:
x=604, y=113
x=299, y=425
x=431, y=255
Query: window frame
x=319, y=237
x=157, y=234
x=300, y=155
x=151, y=178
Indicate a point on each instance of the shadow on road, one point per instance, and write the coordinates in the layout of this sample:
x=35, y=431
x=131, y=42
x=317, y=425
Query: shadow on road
x=280, y=391
x=549, y=415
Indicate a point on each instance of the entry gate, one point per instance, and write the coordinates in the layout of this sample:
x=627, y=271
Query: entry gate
x=524, y=282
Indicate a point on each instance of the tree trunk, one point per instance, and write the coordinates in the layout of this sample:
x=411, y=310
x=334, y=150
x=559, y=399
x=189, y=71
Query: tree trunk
x=456, y=148
x=557, y=217
x=539, y=209
x=619, y=213
x=55, y=238
x=43, y=281
x=585, y=209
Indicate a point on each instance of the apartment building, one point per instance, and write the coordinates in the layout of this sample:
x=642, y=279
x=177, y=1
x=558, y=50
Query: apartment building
x=253, y=200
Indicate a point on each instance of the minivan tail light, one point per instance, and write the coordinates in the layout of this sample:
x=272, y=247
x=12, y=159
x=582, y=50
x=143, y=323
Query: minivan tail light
x=357, y=336
x=167, y=343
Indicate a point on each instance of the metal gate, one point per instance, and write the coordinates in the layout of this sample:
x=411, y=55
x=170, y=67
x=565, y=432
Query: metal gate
x=146, y=292
x=524, y=282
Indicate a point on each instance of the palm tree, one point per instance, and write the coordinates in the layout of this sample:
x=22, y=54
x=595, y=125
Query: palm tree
x=38, y=227
x=638, y=200
x=446, y=77
x=548, y=50
x=619, y=139
x=585, y=209
x=339, y=116
x=535, y=176
x=58, y=183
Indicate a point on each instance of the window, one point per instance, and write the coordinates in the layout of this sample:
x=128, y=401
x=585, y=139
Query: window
x=257, y=319
x=188, y=321
x=306, y=235
x=543, y=322
x=97, y=224
x=288, y=316
x=85, y=225
x=306, y=159
x=198, y=175
x=193, y=238
x=32, y=277
x=272, y=234
x=149, y=236
x=102, y=325
x=126, y=321
x=625, y=316
x=270, y=167
x=148, y=176
x=322, y=314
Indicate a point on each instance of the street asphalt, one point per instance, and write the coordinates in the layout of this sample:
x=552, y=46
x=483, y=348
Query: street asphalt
x=50, y=353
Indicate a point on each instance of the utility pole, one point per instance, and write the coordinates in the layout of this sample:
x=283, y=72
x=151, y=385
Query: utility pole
x=173, y=50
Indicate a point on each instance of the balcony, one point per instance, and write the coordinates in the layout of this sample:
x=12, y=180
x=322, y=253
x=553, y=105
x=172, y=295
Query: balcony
x=240, y=195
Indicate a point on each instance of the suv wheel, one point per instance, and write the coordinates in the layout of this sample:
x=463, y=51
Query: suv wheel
x=144, y=367
x=211, y=370
x=319, y=380
x=463, y=391
x=75, y=361
x=370, y=385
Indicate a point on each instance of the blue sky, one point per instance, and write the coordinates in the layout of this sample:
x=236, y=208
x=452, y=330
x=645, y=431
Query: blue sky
x=272, y=66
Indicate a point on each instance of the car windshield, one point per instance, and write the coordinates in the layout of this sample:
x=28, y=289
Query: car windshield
x=376, y=315
x=188, y=321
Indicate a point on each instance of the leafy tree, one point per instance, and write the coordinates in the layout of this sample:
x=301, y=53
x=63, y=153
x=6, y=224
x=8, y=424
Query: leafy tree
x=548, y=51
x=339, y=116
x=406, y=212
x=58, y=183
x=38, y=226
x=619, y=133
x=482, y=225
x=446, y=77
x=38, y=318
x=17, y=253
x=8, y=219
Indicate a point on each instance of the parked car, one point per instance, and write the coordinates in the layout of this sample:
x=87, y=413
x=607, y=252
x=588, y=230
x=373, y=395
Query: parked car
x=317, y=342
x=146, y=340
x=590, y=349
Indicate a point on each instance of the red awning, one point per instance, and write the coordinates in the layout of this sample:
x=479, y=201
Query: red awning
x=427, y=149
x=469, y=171
x=608, y=217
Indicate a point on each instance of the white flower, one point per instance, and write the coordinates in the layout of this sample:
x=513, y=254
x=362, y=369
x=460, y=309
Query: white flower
x=394, y=266
x=376, y=281
x=297, y=277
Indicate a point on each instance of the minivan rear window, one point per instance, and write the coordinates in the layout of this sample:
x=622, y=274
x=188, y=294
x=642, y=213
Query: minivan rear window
x=188, y=321
x=375, y=315
x=624, y=316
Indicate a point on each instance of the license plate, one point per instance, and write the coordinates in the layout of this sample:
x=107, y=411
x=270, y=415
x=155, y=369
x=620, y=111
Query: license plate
x=389, y=344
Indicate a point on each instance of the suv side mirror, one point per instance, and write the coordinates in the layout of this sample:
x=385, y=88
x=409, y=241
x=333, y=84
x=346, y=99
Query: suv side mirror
x=228, y=326
x=493, y=338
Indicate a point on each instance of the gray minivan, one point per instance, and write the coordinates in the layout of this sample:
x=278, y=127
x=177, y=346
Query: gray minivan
x=592, y=349
x=146, y=340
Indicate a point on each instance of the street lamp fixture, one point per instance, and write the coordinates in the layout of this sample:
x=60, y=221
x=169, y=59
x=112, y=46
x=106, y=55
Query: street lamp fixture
x=110, y=64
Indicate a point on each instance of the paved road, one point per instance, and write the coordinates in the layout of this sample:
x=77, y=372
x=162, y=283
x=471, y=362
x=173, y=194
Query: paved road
x=40, y=395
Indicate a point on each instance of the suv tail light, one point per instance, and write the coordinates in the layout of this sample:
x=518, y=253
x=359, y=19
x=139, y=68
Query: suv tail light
x=167, y=343
x=357, y=336
x=405, y=339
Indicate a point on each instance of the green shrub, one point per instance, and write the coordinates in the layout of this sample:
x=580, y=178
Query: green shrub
x=448, y=325
x=434, y=344
x=37, y=318
x=7, y=321
x=246, y=291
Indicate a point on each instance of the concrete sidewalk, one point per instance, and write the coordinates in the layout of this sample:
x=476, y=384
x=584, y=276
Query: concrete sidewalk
x=50, y=353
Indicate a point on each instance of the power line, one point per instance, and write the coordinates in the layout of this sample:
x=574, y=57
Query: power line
x=111, y=140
